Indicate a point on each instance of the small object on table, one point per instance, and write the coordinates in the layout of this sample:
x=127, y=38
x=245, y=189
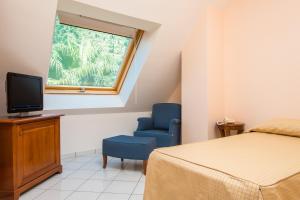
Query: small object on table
x=226, y=128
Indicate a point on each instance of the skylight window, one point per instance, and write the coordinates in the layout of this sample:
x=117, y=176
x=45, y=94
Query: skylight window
x=90, y=56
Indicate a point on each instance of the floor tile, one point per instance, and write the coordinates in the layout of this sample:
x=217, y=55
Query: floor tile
x=84, y=178
x=83, y=196
x=143, y=178
x=97, y=160
x=87, y=155
x=31, y=194
x=67, y=160
x=134, y=165
x=73, y=165
x=136, y=197
x=68, y=184
x=133, y=172
x=83, y=159
x=110, y=196
x=115, y=164
x=82, y=174
x=128, y=176
x=139, y=188
x=94, y=186
x=121, y=187
x=92, y=166
x=47, y=184
x=64, y=174
x=54, y=195
x=105, y=175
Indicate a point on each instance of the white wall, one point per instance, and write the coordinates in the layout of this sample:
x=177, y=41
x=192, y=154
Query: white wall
x=262, y=62
x=81, y=133
x=25, y=47
x=26, y=37
x=202, y=77
x=176, y=95
x=67, y=101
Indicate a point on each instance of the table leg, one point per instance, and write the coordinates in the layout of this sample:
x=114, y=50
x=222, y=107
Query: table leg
x=222, y=133
x=240, y=131
x=145, y=163
x=104, y=161
x=227, y=132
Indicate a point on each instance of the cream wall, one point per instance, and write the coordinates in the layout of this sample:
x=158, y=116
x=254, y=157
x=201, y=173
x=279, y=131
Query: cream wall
x=261, y=60
x=85, y=132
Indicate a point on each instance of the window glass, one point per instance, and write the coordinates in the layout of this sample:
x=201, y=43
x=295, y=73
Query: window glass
x=86, y=58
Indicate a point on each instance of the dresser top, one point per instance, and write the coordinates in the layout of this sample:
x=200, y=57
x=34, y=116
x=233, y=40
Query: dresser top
x=18, y=120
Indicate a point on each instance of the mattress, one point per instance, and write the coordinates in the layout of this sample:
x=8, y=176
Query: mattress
x=250, y=166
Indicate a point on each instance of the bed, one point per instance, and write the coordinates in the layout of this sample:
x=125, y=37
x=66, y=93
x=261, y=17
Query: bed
x=263, y=164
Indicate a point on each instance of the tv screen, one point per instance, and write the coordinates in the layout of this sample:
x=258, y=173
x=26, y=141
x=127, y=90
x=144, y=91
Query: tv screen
x=24, y=93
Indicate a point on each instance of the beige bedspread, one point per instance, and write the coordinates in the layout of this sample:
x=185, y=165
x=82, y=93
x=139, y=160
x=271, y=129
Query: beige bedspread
x=250, y=166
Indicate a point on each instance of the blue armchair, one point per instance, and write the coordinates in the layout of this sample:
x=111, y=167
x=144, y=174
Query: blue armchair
x=164, y=125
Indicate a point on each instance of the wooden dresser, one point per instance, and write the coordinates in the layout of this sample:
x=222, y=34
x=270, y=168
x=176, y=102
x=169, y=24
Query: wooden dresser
x=29, y=153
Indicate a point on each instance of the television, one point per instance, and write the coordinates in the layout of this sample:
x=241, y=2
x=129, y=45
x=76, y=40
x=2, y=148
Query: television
x=24, y=93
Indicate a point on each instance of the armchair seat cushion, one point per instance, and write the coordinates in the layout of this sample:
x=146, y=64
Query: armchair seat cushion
x=128, y=147
x=163, y=138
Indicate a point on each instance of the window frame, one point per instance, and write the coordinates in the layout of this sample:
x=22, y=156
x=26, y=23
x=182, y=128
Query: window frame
x=115, y=90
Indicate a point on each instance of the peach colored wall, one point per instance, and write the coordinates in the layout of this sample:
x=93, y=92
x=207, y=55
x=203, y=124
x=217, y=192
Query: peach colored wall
x=202, y=77
x=241, y=62
x=262, y=59
x=215, y=72
x=194, y=106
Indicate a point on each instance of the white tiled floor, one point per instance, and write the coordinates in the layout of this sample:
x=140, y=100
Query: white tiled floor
x=84, y=179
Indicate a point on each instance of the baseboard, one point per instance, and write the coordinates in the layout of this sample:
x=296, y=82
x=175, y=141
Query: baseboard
x=82, y=153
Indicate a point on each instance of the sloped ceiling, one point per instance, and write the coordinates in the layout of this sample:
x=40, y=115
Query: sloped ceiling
x=26, y=36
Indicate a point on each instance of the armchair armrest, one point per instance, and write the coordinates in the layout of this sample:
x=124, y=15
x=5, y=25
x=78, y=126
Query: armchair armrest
x=175, y=131
x=175, y=126
x=145, y=123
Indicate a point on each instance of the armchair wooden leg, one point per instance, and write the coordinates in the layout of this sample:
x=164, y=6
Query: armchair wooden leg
x=104, y=161
x=145, y=163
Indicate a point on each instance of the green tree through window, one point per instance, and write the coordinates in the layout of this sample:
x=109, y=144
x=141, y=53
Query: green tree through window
x=83, y=57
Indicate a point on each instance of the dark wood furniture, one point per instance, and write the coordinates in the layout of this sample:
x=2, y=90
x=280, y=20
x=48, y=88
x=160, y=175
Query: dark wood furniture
x=226, y=128
x=29, y=153
x=145, y=163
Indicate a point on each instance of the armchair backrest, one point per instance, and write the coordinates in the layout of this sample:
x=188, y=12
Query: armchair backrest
x=163, y=113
